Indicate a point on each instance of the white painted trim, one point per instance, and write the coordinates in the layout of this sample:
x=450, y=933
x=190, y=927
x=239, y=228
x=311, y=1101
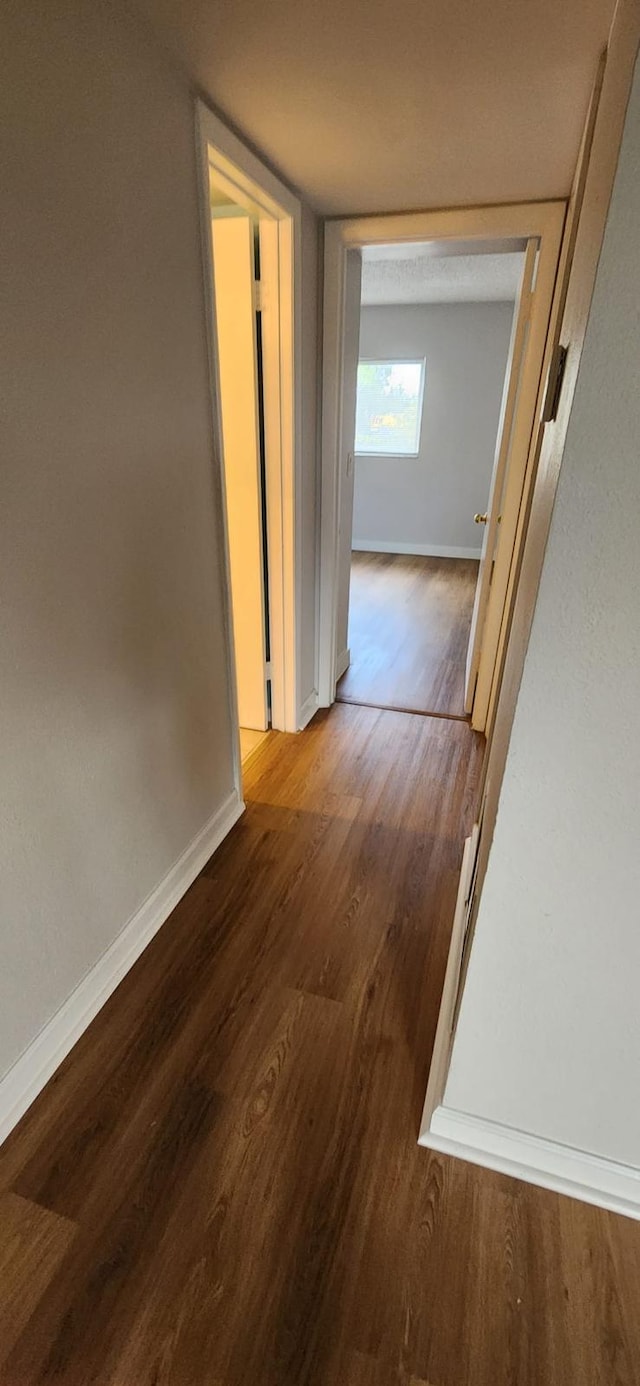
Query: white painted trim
x=428, y=550
x=333, y=329
x=342, y=663
x=493, y=227
x=21, y=1085
x=534, y=1159
x=243, y=167
x=485, y=226
x=492, y=1145
x=219, y=504
x=256, y=187
x=441, y=1055
x=308, y=710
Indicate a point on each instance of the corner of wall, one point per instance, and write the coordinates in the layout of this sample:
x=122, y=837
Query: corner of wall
x=29, y=1075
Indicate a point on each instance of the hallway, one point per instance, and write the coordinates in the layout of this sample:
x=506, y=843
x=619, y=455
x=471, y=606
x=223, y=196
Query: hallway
x=222, y=1185
x=409, y=622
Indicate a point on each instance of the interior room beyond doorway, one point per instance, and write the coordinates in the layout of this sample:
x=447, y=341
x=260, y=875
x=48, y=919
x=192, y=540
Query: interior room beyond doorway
x=409, y=623
x=435, y=333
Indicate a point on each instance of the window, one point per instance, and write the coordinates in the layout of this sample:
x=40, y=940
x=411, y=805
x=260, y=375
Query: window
x=389, y=407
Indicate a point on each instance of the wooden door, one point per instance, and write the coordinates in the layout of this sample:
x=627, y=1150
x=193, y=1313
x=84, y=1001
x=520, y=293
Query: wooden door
x=509, y=437
x=234, y=279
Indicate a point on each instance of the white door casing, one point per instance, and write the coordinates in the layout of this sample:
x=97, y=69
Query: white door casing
x=460, y=230
x=352, y=293
x=252, y=186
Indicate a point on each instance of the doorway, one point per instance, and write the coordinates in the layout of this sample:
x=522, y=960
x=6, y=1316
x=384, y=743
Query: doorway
x=434, y=337
x=251, y=232
x=235, y=235
x=433, y=639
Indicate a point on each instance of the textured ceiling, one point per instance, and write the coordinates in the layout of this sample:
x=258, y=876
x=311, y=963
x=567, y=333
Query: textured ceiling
x=424, y=278
x=372, y=105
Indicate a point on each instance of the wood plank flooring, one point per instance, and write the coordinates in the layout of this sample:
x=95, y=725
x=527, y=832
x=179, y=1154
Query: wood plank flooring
x=250, y=741
x=221, y=1186
x=409, y=622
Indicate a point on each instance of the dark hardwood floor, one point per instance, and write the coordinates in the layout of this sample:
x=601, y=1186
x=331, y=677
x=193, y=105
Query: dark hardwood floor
x=221, y=1186
x=409, y=622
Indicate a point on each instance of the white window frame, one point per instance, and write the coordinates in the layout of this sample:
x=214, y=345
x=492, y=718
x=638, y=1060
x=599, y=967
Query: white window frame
x=395, y=361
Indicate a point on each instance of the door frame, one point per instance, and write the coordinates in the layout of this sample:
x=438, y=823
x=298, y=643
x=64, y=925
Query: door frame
x=522, y=374
x=582, y=242
x=233, y=234
x=515, y=222
x=238, y=171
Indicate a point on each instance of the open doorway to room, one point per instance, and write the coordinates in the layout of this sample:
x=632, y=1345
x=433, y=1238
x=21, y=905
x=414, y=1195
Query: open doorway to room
x=434, y=353
x=235, y=233
x=251, y=241
x=435, y=332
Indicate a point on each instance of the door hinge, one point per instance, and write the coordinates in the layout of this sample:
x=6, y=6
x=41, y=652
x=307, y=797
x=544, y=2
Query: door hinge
x=257, y=291
x=554, y=384
x=267, y=669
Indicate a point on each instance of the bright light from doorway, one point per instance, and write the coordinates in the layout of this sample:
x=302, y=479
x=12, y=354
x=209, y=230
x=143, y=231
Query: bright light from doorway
x=389, y=407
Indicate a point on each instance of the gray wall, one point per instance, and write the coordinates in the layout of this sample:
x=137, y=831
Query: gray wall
x=115, y=716
x=427, y=503
x=549, y=1032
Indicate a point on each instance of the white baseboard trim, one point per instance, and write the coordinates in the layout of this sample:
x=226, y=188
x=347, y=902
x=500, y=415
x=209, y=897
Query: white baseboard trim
x=21, y=1085
x=308, y=710
x=439, y=1067
x=493, y=1145
x=534, y=1159
x=342, y=663
x=428, y=550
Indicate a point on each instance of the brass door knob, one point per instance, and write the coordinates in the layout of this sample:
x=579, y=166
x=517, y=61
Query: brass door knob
x=480, y=519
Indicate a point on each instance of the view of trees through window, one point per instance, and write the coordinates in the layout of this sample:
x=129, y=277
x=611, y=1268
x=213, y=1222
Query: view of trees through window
x=389, y=407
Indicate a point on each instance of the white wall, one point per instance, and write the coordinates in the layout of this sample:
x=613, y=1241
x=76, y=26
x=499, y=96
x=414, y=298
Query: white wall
x=428, y=503
x=549, y=1032
x=116, y=731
